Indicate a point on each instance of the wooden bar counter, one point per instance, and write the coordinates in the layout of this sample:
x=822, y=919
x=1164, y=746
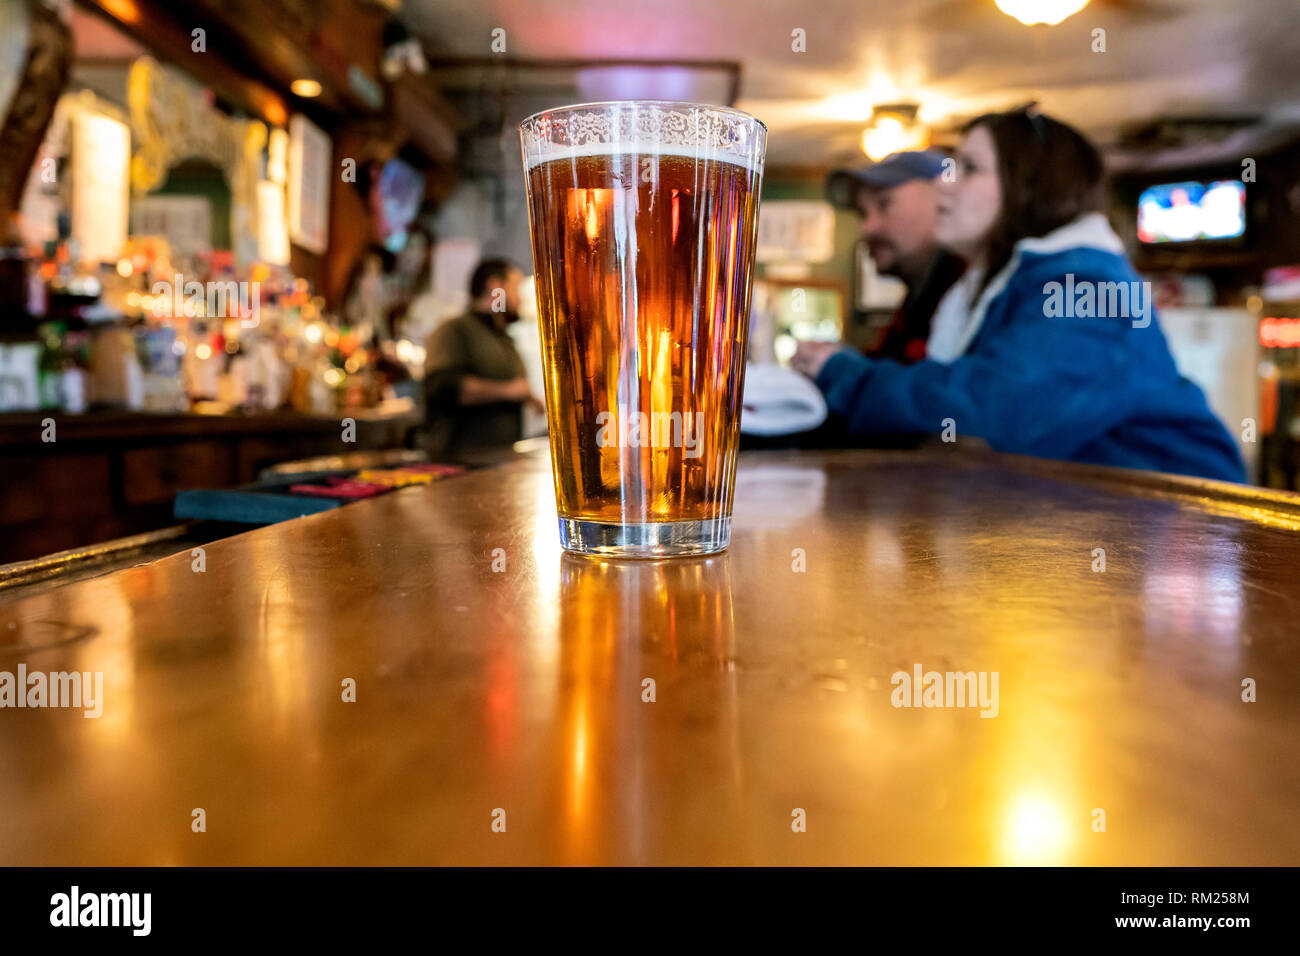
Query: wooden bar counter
x=113, y=473
x=499, y=681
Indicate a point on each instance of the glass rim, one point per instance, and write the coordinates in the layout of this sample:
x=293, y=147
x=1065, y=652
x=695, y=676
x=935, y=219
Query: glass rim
x=688, y=104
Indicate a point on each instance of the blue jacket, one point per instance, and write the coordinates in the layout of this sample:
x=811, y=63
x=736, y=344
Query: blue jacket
x=1099, y=390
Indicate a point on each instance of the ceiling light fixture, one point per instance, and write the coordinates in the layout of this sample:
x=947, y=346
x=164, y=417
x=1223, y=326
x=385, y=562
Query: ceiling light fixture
x=1050, y=12
x=307, y=89
x=893, y=127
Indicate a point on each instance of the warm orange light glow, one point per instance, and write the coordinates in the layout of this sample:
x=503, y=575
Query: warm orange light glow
x=275, y=112
x=1036, y=830
x=592, y=203
x=888, y=134
x=305, y=88
x=661, y=400
x=1279, y=333
x=124, y=10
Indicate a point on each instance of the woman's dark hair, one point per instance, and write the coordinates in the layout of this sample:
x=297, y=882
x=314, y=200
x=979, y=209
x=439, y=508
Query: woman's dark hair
x=1050, y=174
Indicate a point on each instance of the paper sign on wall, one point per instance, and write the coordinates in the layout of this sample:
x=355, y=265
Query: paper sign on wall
x=309, y=184
x=796, y=231
x=272, y=234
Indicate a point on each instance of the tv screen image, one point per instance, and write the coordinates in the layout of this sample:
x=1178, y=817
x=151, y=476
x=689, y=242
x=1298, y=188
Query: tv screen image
x=1190, y=212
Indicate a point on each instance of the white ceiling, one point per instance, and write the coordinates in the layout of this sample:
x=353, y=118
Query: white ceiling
x=1164, y=58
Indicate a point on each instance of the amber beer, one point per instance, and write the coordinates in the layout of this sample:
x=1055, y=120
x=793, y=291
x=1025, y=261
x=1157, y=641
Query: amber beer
x=644, y=219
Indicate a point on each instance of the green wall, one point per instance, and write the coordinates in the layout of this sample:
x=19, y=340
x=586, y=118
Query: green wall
x=840, y=265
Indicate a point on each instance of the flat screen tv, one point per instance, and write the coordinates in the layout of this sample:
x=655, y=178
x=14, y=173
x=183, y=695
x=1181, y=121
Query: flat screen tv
x=1192, y=212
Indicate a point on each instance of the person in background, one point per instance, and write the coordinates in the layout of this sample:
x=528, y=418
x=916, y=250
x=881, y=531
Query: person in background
x=410, y=281
x=475, y=385
x=1006, y=361
x=898, y=200
x=366, y=298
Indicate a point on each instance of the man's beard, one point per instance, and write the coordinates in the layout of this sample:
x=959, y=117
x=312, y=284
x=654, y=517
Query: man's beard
x=891, y=266
x=501, y=317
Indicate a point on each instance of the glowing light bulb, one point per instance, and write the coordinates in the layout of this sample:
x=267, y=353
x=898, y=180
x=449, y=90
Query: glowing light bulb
x=888, y=135
x=1050, y=12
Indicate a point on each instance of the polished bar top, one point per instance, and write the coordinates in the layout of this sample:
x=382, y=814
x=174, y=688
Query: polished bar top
x=501, y=685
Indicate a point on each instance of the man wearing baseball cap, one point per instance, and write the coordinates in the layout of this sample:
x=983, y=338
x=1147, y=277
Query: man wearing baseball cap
x=897, y=201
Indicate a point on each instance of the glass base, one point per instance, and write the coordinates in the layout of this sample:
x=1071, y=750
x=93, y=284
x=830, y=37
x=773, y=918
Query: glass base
x=653, y=539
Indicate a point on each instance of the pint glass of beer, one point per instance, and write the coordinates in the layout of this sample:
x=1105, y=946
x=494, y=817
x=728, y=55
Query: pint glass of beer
x=644, y=217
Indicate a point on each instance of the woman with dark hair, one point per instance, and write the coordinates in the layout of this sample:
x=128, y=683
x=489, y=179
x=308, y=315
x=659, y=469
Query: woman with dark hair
x=1048, y=345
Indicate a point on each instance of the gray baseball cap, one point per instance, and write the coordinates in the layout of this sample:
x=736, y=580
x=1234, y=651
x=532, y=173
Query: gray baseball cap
x=842, y=185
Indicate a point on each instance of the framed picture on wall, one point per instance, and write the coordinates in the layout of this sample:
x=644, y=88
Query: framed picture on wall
x=309, y=184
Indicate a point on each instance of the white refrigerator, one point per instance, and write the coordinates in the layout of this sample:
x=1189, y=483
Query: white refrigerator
x=1218, y=349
